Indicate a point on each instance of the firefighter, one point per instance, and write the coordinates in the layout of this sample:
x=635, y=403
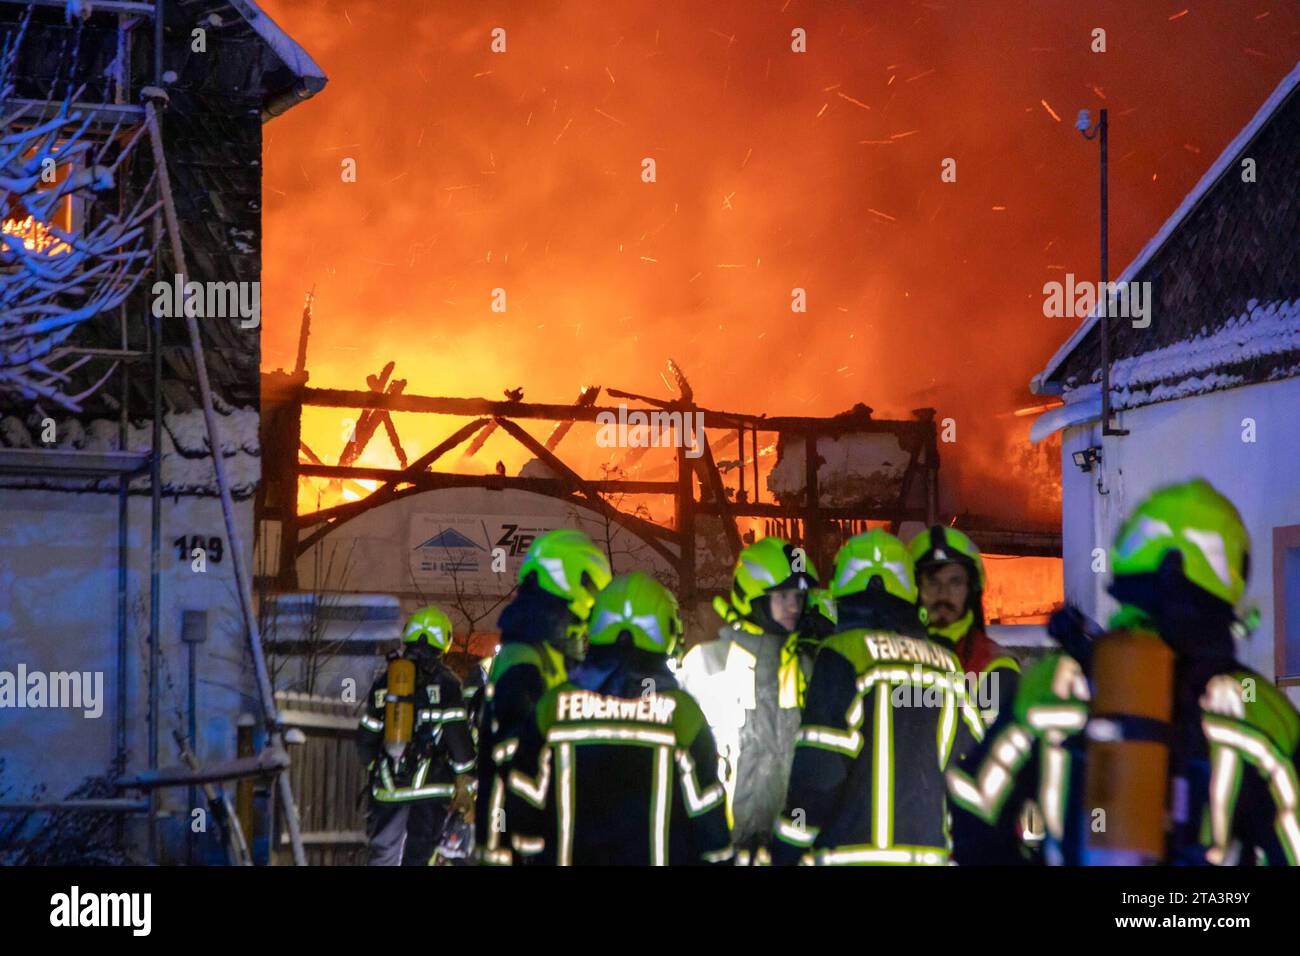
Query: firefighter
x=886, y=711
x=416, y=746
x=1034, y=754
x=750, y=683
x=1230, y=742
x=541, y=637
x=619, y=766
x=950, y=573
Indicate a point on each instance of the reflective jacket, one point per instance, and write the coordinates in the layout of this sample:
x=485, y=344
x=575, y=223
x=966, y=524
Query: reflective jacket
x=885, y=713
x=440, y=746
x=528, y=663
x=619, y=768
x=1035, y=751
x=750, y=687
x=1232, y=766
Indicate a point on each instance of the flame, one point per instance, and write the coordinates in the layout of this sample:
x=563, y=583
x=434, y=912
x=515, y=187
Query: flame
x=37, y=236
x=522, y=171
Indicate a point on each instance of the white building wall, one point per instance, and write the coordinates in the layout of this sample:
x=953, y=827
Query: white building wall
x=1199, y=436
x=58, y=612
x=375, y=552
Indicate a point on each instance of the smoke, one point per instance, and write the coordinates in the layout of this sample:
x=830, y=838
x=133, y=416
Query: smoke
x=775, y=171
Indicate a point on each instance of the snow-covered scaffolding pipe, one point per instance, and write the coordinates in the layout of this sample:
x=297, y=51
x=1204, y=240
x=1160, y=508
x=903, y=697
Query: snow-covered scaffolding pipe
x=275, y=729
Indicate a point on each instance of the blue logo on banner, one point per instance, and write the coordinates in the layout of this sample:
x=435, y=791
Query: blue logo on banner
x=449, y=538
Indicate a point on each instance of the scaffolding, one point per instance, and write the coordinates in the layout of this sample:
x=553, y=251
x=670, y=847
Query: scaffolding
x=119, y=115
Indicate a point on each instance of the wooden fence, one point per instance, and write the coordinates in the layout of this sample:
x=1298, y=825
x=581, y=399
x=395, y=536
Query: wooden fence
x=327, y=779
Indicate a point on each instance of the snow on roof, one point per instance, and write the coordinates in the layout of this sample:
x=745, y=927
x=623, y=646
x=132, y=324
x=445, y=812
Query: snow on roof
x=1195, y=366
x=186, y=464
x=1191, y=201
x=290, y=53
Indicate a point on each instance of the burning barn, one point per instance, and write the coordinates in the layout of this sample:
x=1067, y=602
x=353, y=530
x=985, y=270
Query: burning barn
x=133, y=163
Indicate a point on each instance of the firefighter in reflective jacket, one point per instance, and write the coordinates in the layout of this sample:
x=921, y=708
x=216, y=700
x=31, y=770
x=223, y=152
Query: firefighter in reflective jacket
x=886, y=711
x=619, y=767
x=751, y=680
x=950, y=577
x=541, y=636
x=416, y=746
x=1227, y=750
x=1034, y=752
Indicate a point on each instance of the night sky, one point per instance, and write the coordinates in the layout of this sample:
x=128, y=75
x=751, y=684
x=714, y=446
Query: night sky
x=775, y=170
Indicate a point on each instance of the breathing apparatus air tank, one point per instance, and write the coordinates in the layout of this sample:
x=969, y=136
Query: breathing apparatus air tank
x=1128, y=750
x=399, y=706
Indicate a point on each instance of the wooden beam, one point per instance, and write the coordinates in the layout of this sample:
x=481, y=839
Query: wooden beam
x=707, y=469
x=441, y=479
x=269, y=761
x=580, y=484
x=304, y=330
x=369, y=420
x=685, y=515
x=548, y=458
x=387, y=491
x=586, y=397
x=480, y=440
x=98, y=805
x=883, y=512
x=812, y=518
x=351, y=398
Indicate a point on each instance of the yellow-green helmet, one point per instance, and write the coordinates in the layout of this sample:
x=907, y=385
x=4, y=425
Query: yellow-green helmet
x=430, y=624
x=1199, y=523
x=769, y=564
x=875, y=554
x=569, y=565
x=941, y=545
x=641, y=606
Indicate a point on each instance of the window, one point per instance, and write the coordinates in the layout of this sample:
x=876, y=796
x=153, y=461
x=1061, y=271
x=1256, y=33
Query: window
x=38, y=236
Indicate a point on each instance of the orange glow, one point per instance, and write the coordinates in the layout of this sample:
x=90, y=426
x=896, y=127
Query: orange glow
x=36, y=236
x=522, y=171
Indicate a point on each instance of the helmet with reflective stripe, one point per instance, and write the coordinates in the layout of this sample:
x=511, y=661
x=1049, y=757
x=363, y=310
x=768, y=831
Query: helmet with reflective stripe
x=940, y=545
x=876, y=554
x=569, y=565
x=430, y=624
x=638, y=605
x=1199, y=523
x=769, y=564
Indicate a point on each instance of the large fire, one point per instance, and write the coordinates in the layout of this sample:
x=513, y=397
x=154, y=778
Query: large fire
x=524, y=246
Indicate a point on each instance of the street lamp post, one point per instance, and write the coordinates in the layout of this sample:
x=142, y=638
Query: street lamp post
x=1100, y=132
